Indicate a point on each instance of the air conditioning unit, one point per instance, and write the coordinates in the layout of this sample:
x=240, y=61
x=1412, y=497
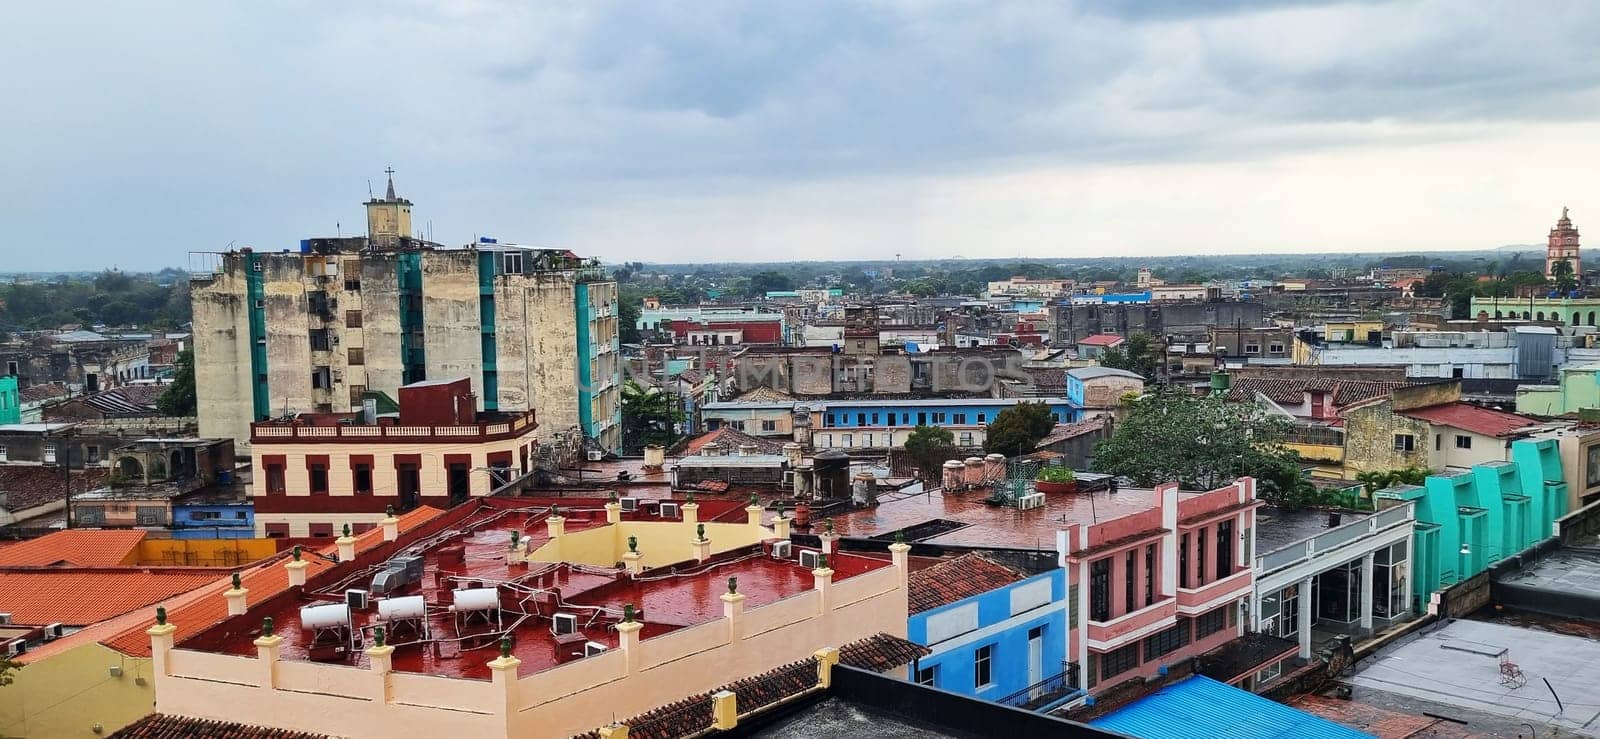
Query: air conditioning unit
x=810, y=560
x=16, y=647
x=591, y=649
x=1031, y=500
x=53, y=632
x=356, y=599
x=565, y=623
x=669, y=510
x=781, y=549
x=596, y=455
x=5, y=619
x=629, y=504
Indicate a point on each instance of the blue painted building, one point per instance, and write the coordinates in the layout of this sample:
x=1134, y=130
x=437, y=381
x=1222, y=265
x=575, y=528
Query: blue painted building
x=874, y=424
x=1100, y=387
x=217, y=519
x=997, y=634
x=10, y=401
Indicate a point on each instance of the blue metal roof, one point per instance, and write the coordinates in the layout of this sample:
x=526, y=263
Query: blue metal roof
x=1199, y=706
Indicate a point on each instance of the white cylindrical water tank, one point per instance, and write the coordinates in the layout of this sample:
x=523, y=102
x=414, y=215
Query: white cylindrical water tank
x=392, y=609
x=325, y=616
x=476, y=599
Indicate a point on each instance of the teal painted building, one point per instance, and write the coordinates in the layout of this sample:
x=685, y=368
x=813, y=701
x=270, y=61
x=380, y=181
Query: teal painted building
x=10, y=401
x=1469, y=519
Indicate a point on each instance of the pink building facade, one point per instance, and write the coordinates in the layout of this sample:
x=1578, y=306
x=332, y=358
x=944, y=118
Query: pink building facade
x=1158, y=586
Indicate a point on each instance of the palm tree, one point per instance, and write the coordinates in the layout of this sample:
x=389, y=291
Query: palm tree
x=649, y=416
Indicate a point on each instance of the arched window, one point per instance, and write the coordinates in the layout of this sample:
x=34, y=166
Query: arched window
x=1591, y=318
x=1539, y=316
x=1497, y=315
x=1576, y=318
x=1525, y=316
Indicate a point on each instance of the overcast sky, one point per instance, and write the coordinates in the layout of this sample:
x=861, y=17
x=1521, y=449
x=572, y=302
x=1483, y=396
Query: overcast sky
x=134, y=133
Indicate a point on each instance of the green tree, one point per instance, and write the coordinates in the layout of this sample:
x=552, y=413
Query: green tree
x=928, y=447
x=649, y=416
x=1203, y=443
x=1138, y=354
x=628, y=321
x=1015, y=430
x=8, y=670
x=179, y=397
x=767, y=281
x=1561, y=274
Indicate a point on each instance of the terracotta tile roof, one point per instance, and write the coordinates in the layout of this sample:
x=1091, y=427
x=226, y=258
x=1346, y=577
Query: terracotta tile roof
x=731, y=440
x=692, y=715
x=161, y=726
x=46, y=391
x=1065, y=431
x=881, y=653
x=763, y=395
x=1047, y=379
x=264, y=580
x=27, y=486
x=35, y=597
x=1101, y=340
x=957, y=579
x=78, y=547
x=1293, y=391
x=1470, y=417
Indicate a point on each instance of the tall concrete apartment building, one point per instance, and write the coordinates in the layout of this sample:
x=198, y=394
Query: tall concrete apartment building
x=345, y=319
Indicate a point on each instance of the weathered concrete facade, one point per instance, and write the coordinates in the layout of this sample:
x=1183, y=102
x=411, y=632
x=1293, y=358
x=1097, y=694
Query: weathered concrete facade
x=314, y=330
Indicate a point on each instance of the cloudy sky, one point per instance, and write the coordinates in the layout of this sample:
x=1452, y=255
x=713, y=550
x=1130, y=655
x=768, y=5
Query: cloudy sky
x=135, y=133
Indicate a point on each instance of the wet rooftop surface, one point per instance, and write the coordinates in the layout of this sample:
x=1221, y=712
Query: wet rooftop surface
x=976, y=523
x=1458, y=665
x=1570, y=571
x=1277, y=528
x=667, y=598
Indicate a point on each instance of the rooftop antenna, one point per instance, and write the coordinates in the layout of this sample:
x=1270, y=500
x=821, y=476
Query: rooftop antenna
x=369, y=188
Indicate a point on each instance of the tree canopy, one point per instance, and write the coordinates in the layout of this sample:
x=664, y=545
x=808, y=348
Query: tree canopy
x=1015, y=430
x=928, y=447
x=649, y=416
x=179, y=398
x=1138, y=354
x=1203, y=443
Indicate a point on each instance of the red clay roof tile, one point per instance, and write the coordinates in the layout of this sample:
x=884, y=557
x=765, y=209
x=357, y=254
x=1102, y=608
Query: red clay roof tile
x=957, y=579
x=75, y=547
x=161, y=726
x=36, y=597
x=1472, y=418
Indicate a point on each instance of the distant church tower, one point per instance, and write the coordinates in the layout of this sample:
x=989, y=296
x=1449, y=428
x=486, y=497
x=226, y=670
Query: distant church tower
x=389, y=218
x=1563, y=245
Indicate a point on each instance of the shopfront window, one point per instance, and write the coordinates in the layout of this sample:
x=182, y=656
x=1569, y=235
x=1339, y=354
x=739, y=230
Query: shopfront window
x=1390, y=598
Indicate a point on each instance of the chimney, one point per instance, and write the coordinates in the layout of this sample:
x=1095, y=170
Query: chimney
x=747, y=450
x=712, y=449
x=974, y=472
x=951, y=479
x=794, y=454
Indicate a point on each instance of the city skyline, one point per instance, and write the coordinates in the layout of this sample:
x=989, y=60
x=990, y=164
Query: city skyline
x=836, y=132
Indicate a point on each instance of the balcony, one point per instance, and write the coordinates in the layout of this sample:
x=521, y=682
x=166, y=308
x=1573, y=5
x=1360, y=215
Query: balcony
x=269, y=432
x=1195, y=601
x=1049, y=692
x=1105, y=636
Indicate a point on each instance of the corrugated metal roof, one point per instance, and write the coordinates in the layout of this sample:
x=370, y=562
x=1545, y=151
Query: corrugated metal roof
x=1200, y=706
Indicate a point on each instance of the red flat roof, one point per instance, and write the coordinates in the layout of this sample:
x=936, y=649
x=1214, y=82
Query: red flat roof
x=668, y=598
x=975, y=523
x=1101, y=340
x=1472, y=418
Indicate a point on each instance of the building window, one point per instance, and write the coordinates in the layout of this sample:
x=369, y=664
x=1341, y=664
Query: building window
x=1183, y=561
x=1100, y=589
x=4, y=457
x=275, y=482
x=320, y=530
x=93, y=454
x=982, y=418
x=352, y=319
x=983, y=667
x=938, y=417
x=319, y=340
x=49, y=453
x=1275, y=348
x=355, y=356
x=966, y=438
x=830, y=420
x=90, y=515
x=1224, y=549
x=513, y=263
x=1405, y=443
x=1117, y=662
x=1149, y=574
x=361, y=479
x=874, y=419
x=1252, y=348
x=928, y=676
x=848, y=440
x=1129, y=568
x=1438, y=442
x=866, y=440
x=318, y=474
x=149, y=515
x=961, y=419
x=1200, y=557
x=1167, y=641
x=769, y=425
x=321, y=379
x=1211, y=622
x=276, y=530
x=1463, y=441
x=861, y=419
